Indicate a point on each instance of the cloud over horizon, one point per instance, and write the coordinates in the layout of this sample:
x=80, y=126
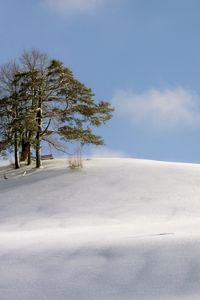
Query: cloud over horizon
x=164, y=109
x=74, y=6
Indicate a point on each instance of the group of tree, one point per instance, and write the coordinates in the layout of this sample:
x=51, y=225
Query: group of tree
x=41, y=100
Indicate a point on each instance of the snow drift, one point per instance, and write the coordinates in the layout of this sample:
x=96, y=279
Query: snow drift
x=119, y=229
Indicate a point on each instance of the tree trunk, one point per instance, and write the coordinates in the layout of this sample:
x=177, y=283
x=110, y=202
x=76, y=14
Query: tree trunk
x=25, y=150
x=29, y=155
x=16, y=151
x=38, y=136
x=38, y=152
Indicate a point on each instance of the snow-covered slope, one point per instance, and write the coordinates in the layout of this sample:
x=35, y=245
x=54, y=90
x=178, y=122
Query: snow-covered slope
x=119, y=229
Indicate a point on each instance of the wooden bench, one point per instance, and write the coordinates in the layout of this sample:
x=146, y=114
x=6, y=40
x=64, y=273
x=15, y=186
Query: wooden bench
x=47, y=157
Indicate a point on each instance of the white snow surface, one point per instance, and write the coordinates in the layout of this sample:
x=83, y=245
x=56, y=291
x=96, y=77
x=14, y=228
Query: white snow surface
x=118, y=229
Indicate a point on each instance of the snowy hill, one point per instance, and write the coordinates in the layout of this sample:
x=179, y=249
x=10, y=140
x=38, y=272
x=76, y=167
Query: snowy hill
x=119, y=229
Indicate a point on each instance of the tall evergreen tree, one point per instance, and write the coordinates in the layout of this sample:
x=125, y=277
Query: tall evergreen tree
x=51, y=104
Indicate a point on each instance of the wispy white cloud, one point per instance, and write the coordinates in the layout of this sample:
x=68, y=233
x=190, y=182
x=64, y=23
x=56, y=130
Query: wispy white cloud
x=74, y=6
x=167, y=108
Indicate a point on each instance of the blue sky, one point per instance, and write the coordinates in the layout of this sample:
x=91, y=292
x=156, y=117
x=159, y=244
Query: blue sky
x=141, y=55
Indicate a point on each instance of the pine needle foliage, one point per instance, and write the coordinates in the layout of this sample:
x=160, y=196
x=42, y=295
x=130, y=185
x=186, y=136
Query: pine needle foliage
x=41, y=100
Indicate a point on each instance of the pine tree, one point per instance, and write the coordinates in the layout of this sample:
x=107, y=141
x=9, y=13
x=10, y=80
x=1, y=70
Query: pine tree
x=74, y=107
x=45, y=102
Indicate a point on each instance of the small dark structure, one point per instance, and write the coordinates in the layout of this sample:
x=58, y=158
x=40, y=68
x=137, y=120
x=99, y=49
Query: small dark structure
x=47, y=157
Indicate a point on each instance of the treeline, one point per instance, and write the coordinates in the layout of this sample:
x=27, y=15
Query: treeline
x=41, y=100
